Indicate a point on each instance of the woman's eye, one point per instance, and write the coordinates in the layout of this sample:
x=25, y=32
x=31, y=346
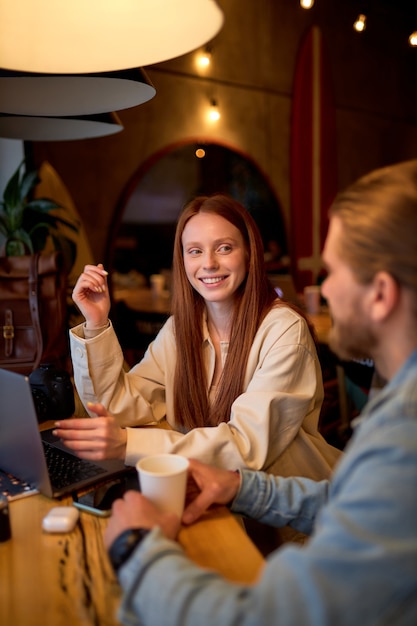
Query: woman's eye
x=225, y=248
x=194, y=251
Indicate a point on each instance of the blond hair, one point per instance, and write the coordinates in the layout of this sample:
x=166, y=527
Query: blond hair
x=379, y=218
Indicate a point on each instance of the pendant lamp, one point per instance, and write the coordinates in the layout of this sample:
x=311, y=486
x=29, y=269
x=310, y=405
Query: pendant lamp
x=84, y=36
x=32, y=128
x=29, y=93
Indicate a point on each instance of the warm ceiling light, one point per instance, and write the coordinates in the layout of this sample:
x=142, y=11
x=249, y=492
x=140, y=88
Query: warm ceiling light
x=27, y=93
x=214, y=113
x=306, y=4
x=31, y=128
x=204, y=58
x=83, y=36
x=360, y=23
x=412, y=40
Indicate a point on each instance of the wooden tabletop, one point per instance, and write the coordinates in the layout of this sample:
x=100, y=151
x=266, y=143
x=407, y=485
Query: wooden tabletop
x=67, y=580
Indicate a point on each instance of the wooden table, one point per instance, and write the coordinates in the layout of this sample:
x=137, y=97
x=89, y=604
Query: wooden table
x=143, y=299
x=67, y=580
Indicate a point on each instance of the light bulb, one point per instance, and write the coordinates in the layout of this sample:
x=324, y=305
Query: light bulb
x=200, y=153
x=203, y=58
x=412, y=40
x=306, y=4
x=214, y=113
x=360, y=23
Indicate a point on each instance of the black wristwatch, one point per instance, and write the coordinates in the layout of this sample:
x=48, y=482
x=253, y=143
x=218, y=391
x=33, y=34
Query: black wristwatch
x=123, y=546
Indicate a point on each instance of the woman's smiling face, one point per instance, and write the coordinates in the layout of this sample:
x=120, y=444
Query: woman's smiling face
x=215, y=258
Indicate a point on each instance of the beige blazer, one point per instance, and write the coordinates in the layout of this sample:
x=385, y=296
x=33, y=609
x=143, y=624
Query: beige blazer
x=273, y=423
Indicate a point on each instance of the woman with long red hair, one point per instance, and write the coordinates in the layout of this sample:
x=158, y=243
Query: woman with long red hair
x=234, y=371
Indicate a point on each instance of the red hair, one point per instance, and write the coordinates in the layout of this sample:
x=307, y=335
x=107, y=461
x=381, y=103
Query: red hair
x=254, y=298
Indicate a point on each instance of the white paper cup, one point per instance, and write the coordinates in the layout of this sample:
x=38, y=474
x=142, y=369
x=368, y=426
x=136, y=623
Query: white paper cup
x=312, y=298
x=157, y=284
x=163, y=479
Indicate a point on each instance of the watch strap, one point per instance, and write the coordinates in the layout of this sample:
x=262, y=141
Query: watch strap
x=124, y=545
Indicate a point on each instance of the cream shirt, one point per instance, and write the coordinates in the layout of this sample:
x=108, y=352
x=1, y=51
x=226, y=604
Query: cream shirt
x=273, y=423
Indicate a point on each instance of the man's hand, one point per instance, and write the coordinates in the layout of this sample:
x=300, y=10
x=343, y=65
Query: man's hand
x=216, y=486
x=94, y=439
x=136, y=511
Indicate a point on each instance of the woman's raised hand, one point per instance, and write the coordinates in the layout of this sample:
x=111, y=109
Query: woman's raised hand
x=91, y=295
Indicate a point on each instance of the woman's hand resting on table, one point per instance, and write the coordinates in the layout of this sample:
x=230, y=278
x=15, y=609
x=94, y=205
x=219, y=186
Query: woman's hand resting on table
x=94, y=439
x=91, y=295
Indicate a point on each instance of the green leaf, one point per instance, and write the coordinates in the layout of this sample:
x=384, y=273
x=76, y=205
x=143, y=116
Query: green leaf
x=42, y=211
x=12, y=191
x=18, y=241
x=15, y=247
x=43, y=205
x=27, y=223
x=28, y=182
x=38, y=226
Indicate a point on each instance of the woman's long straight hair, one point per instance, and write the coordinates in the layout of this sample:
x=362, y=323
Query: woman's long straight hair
x=253, y=300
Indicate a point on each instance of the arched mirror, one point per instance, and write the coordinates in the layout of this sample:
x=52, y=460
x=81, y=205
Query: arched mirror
x=142, y=240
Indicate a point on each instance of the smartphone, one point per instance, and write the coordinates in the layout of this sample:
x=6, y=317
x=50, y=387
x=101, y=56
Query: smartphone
x=99, y=500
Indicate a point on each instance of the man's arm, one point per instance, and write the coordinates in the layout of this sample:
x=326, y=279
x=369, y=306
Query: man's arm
x=270, y=499
x=278, y=501
x=358, y=567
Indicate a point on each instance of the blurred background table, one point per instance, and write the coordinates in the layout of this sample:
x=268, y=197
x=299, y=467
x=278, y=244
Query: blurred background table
x=322, y=323
x=143, y=299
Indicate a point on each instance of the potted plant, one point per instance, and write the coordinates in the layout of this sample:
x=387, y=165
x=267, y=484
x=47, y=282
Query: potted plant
x=28, y=223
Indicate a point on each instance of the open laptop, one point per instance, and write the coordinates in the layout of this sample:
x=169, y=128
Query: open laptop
x=24, y=450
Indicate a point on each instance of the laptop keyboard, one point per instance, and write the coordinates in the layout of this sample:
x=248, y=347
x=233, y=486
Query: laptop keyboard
x=66, y=469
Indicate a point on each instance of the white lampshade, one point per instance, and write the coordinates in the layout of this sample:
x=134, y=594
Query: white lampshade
x=83, y=36
x=28, y=93
x=30, y=128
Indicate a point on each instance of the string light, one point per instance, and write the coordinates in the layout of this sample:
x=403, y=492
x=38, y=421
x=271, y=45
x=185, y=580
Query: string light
x=214, y=113
x=360, y=24
x=203, y=58
x=200, y=153
x=412, y=40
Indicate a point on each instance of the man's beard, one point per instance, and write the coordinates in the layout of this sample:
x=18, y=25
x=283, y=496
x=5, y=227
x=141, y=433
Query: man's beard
x=352, y=340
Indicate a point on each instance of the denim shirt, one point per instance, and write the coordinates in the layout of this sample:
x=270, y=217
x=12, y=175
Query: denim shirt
x=359, y=566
